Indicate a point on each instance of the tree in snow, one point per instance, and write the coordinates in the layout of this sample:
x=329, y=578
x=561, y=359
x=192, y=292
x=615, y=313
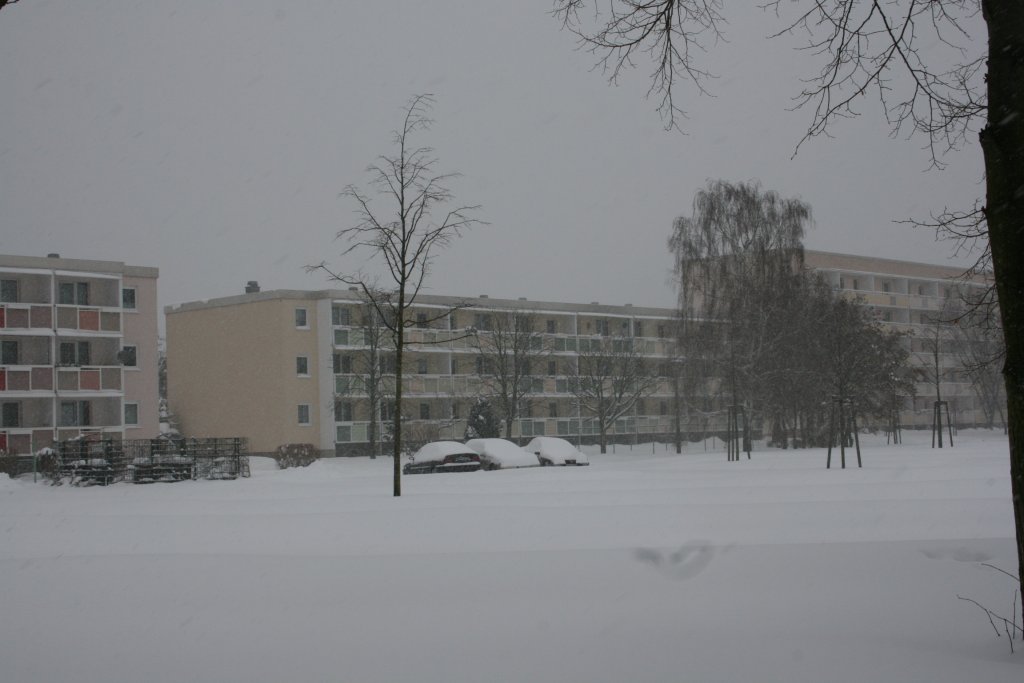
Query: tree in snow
x=403, y=234
x=510, y=353
x=482, y=422
x=738, y=263
x=930, y=75
x=609, y=377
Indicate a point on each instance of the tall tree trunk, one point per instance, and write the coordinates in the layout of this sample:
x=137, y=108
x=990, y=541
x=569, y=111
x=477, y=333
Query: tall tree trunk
x=399, y=348
x=1002, y=141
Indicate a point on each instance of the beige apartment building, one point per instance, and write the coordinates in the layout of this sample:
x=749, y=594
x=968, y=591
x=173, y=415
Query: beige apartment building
x=909, y=297
x=79, y=350
x=285, y=366
x=282, y=367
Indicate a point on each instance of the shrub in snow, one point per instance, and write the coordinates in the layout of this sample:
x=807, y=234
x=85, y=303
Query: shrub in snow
x=296, y=455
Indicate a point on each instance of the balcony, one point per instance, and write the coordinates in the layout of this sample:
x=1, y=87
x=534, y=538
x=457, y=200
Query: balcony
x=105, y=378
x=88, y=319
x=26, y=378
x=25, y=317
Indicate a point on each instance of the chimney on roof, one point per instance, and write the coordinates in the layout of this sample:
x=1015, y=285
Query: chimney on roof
x=353, y=288
x=483, y=296
x=53, y=255
x=251, y=287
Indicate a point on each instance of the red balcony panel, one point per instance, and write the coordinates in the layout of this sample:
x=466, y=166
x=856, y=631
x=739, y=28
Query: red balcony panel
x=89, y=320
x=18, y=380
x=17, y=317
x=3, y=441
x=3, y=379
x=89, y=380
x=42, y=379
x=3, y=317
x=42, y=316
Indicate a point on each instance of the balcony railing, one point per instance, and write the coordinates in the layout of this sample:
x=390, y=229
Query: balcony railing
x=89, y=379
x=25, y=317
x=88, y=319
x=36, y=378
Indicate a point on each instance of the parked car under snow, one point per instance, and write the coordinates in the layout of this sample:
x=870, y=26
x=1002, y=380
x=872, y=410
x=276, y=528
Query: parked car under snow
x=500, y=454
x=443, y=456
x=550, y=450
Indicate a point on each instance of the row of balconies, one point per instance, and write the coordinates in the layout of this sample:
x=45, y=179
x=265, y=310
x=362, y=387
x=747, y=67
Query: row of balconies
x=462, y=385
x=69, y=318
x=640, y=425
x=41, y=378
x=445, y=340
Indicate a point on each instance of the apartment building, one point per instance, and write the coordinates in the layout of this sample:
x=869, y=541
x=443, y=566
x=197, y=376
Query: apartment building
x=287, y=367
x=78, y=350
x=910, y=297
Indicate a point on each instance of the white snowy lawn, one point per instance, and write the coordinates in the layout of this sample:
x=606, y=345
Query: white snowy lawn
x=642, y=567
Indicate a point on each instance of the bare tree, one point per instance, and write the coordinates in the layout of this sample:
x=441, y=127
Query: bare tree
x=977, y=341
x=609, y=377
x=510, y=354
x=738, y=260
x=404, y=236
x=931, y=76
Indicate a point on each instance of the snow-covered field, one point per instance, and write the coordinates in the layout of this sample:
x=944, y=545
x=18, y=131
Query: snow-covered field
x=642, y=567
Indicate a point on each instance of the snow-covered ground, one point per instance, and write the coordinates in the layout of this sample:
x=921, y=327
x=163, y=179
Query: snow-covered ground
x=642, y=567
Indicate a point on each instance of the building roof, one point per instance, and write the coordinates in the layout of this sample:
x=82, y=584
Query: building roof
x=82, y=265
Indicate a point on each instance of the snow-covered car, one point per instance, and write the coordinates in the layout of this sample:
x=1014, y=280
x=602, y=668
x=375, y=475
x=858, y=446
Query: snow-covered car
x=500, y=454
x=550, y=450
x=443, y=456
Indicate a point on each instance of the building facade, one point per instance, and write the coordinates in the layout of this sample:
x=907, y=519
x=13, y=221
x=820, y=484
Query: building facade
x=285, y=366
x=79, y=351
x=912, y=298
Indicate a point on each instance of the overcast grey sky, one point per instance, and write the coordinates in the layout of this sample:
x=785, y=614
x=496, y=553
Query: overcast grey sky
x=212, y=139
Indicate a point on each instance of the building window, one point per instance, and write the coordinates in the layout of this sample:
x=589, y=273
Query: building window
x=128, y=298
x=482, y=321
x=663, y=408
x=886, y=287
x=661, y=331
x=341, y=315
x=455, y=410
x=303, y=413
x=638, y=328
x=387, y=411
x=129, y=356
x=9, y=291
x=75, y=414
x=602, y=327
x=920, y=290
x=856, y=284
x=421, y=366
x=552, y=409
x=131, y=414
x=551, y=327
x=72, y=293
x=887, y=316
x=10, y=416
x=342, y=411
x=424, y=411
x=302, y=366
x=421, y=320
x=75, y=353
x=300, y=318
x=9, y=353
x=552, y=368
x=342, y=364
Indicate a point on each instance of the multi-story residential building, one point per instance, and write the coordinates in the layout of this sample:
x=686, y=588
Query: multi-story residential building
x=79, y=350
x=912, y=298
x=285, y=367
